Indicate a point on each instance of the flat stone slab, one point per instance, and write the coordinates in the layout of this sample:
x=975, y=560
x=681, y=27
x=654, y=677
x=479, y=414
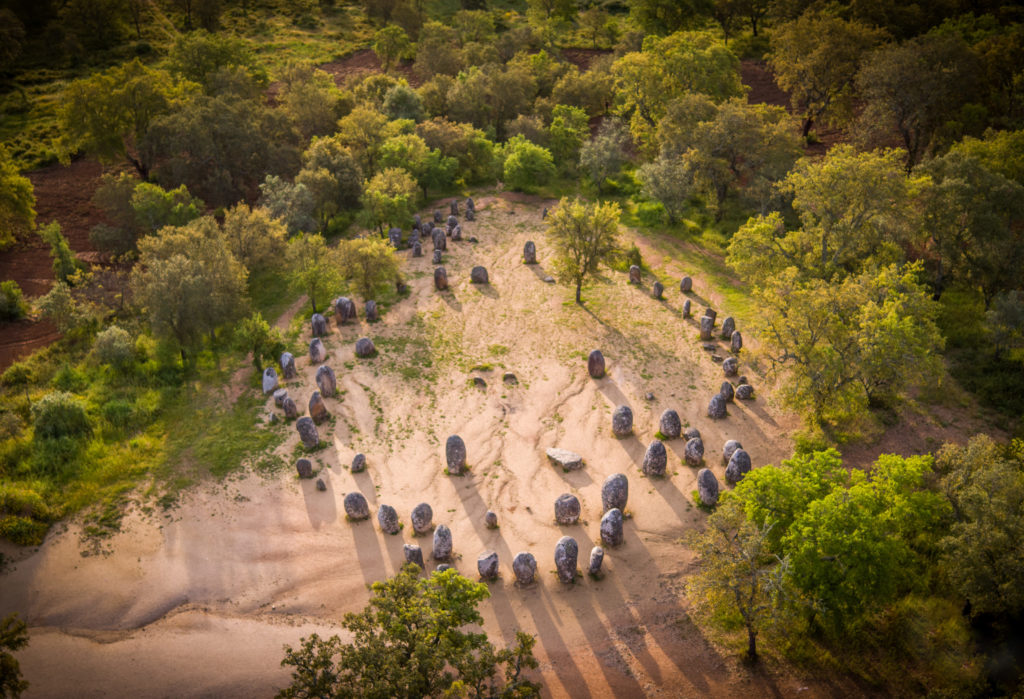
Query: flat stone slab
x=568, y=460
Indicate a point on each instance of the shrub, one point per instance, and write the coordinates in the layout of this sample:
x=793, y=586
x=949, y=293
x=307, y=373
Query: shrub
x=527, y=165
x=60, y=414
x=12, y=304
x=69, y=379
x=114, y=346
x=120, y=413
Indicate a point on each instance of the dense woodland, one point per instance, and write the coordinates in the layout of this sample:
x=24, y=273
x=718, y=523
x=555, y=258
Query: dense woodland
x=876, y=228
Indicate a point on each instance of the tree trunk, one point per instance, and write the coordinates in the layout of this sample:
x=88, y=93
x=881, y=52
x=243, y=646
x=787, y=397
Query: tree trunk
x=806, y=128
x=751, y=645
x=579, y=286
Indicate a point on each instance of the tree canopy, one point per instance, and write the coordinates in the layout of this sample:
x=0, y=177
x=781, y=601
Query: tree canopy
x=583, y=238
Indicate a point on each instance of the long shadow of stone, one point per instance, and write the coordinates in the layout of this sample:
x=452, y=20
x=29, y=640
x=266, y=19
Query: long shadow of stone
x=550, y=638
x=672, y=496
x=321, y=507
x=634, y=447
x=487, y=290
x=539, y=271
x=365, y=540
x=449, y=298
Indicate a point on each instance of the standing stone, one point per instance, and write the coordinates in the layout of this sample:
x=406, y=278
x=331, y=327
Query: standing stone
x=318, y=324
x=487, y=565
x=304, y=467
x=634, y=274
x=417, y=249
x=320, y=485
x=269, y=380
x=416, y=222
x=622, y=421
x=317, y=408
x=736, y=343
x=595, y=364
x=694, y=452
x=686, y=309
x=712, y=314
x=478, y=275
x=358, y=463
x=728, y=328
x=470, y=206
x=395, y=237
x=530, y=253
x=658, y=290
x=596, y=559
x=317, y=351
x=568, y=460
x=730, y=366
x=401, y=288
x=727, y=391
x=365, y=347
x=427, y=227
x=344, y=309
x=614, y=492
x=470, y=215
x=387, y=518
x=707, y=487
x=611, y=527
x=686, y=284
x=437, y=260
x=440, y=278
x=437, y=216
x=567, y=509
x=279, y=396
x=356, y=507
x=567, y=551
x=307, y=432
x=452, y=222
x=413, y=554
x=745, y=392
x=729, y=449
x=455, y=455
x=706, y=325
x=288, y=366
x=454, y=207
x=655, y=460
x=326, y=381
x=372, y=315
x=669, y=425
x=291, y=411
x=739, y=466
x=422, y=518
x=524, y=565
x=491, y=520
x=457, y=233
x=690, y=433
x=544, y=213
x=716, y=408
x=442, y=543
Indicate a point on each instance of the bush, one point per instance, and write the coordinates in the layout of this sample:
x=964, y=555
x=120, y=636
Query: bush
x=22, y=530
x=60, y=415
x=12, y=304
x=69, y=379
x=527, y=165
x=114, y=346
x=119, y=413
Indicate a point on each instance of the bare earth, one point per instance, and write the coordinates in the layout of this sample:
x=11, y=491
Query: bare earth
x=199, y=602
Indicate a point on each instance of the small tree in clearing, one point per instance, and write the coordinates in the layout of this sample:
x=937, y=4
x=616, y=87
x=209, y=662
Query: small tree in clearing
x=312, y=267
x=583, y=237
x=368, y=262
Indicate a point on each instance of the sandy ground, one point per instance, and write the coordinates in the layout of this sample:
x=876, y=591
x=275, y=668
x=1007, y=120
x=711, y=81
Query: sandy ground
x=199, y=602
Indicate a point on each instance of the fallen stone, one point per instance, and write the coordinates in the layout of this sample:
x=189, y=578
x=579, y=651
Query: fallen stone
x=455, y=455
x=729, y=449
x=413, y=554
x=694, y=452
x=288, y=366
x=622, y=421
x=568, y=460
x=422, y=518
x=317, y=351
x=365, y=347
x=595, y=364
x=739, y=466
x=472, y=239
x=387, y=518
x=745, y=392
x=611, y=527
x=655, y=459
x=479, y=382
x=356, y=507
x=442, y=543
x=566, y=554
x=304, y=468
x=269, y=380
x=358, y=463
x=307, y=432
x=614, y=492
x=510, y=378
x=326, y=381
x=318, y=324
x=707, y=487
x=669, y=425
x=567, y=509
x=440, y=278
x=716, y=408
x=478, y=275
x=549, y=280
x=648, y=396
x=530, y=253
x=596, y=559
x=524, y=565
x=487, y=566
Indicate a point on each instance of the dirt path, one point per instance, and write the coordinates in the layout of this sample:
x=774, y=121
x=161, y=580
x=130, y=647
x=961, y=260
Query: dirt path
x=242, y=567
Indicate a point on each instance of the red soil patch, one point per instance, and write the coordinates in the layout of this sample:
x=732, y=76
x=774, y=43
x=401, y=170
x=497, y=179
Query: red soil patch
x=63, y=194
x=362, y=63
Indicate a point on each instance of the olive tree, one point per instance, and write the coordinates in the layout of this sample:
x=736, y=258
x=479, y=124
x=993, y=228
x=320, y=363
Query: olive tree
x=583, y=238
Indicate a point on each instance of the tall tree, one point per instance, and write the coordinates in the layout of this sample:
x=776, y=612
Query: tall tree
x=389, y=198
x=17, y=201
x=313, y=268
x=583, y=238
x=369, y=262
x=256, y=239
x=332, y=176
x=390, y=44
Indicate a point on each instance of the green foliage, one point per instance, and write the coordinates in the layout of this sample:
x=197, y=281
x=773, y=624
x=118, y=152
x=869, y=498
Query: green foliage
x=664, y=16
x=402, y=102
x=568, y=131
x=17, y=201
x=253, y=236
x=473, y=152
x=409, y=641
x=136, y=209
x=409, y=152
x=391, y=44
x=527, y=165
x=313, y=268
x=389, y=198
x=362, y=131
x=64, y=262
x=114, y=346
x=61, y=308
x=1004, y=321
x=369, y=262
x=201, y=57
x=12, y=304
x=603, y=156
x=290, y=203
x=253, y=334
x=332, y=177
x=311, y=100
x=13, y=637
x=583, y=238
x=998, y=151
x=59, y=414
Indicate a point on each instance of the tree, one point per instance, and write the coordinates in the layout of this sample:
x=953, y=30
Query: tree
x=1004, y=321
x=567, y=133
x=527, y=165
x=369, y=263
x=390, y=44
x=669, y=181
x=911, y=89
x=491, y=95
x=583, y=238
x=389, y=198
x=13, y=637
x=254, y=237
x=254, y=335
x=665, y=16
x=402, y=102
x=65, y=264
x=410, y=153
x=362, y=131
x=17, y=201
x=437, y=51
x=114, y=346
x=469, y=146
x=290, y=203
x=188, y=283
x=410, y=641
x=737, y=573
x=311, y=100
x=93, y=24
x=603, y=156
x=815, y=58
x=332, y=176
x=591, y=91
x=60, y=308
x=12, y=303
x=138, y=208
x=198, y=56
x=998, y=151
x=313, y=267
x=984, y=482
x=108, y=114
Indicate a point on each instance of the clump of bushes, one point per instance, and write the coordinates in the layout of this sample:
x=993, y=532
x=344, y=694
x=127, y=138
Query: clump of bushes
x=114, y=346
x=12, y=303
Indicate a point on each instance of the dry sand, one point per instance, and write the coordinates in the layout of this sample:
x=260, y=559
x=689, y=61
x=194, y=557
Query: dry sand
x=200, y=602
